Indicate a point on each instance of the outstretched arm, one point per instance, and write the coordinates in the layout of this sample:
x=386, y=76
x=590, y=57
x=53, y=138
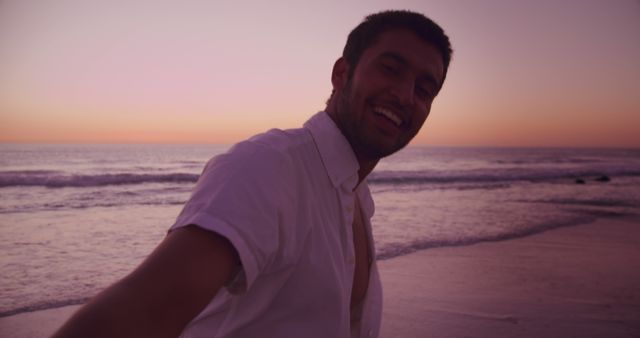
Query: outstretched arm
x=161, y=296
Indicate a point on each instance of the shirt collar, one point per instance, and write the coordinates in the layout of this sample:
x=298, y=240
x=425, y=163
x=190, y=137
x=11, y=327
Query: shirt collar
x=335, y=151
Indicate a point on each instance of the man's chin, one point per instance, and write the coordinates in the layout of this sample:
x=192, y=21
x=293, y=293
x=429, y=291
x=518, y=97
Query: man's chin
x=378, y=150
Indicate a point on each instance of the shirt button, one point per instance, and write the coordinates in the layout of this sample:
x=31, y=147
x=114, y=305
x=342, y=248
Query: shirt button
x=352, y=260
x=349, y=208
x=369, y=333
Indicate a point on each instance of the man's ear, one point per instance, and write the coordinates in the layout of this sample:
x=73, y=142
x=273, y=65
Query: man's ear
x=340, y=74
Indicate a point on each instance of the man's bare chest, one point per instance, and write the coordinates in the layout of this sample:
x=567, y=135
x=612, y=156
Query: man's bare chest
x=362, y=258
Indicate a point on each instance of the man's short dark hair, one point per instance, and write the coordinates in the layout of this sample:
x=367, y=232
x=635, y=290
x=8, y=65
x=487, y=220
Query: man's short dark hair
x=368, y=31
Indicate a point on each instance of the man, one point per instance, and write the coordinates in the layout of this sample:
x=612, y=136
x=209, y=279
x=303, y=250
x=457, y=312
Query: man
x=276, y=238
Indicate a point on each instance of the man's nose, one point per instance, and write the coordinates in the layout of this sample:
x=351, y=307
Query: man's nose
x=404, y=91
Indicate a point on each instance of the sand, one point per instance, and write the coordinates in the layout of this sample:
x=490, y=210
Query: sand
x=579, y=281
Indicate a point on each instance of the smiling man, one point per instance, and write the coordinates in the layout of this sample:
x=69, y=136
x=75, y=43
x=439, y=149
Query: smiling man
x=383, y=94
x=275, y=240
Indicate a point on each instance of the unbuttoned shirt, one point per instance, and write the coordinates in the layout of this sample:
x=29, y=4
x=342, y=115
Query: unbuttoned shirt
x=285, y=200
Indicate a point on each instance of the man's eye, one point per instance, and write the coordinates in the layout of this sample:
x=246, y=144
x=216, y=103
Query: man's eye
x=423, y=92
x=389, y=68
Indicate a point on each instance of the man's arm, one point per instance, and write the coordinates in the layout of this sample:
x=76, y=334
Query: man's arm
x=161, y=296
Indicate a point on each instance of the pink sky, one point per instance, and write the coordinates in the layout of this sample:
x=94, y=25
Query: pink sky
x=524, y=73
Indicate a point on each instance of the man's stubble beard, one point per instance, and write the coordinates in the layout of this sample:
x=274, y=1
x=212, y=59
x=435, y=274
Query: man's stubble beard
x=364, y=147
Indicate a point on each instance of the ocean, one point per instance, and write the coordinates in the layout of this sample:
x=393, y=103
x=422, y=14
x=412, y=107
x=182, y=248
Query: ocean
x=75, y=218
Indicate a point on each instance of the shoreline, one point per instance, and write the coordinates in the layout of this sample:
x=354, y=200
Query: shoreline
x=580, y=280
x=576, y=281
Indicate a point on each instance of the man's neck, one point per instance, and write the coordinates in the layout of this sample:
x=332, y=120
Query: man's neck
x=366, y=167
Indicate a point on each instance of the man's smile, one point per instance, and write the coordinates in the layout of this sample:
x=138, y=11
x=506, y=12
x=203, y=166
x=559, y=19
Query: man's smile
x=389, y=114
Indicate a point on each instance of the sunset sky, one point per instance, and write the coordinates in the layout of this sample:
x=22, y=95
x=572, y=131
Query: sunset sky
x=524, y=73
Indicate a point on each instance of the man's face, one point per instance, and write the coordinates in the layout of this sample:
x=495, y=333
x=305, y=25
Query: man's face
x=383, y=105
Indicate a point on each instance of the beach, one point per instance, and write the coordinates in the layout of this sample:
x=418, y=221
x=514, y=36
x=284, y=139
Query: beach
x=577, y=281
x=471, y=242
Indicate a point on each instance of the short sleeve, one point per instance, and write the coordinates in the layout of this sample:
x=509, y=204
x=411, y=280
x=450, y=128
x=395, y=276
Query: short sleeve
x=238, y=196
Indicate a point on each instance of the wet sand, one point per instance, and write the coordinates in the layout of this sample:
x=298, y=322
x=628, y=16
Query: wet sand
x=579, y=281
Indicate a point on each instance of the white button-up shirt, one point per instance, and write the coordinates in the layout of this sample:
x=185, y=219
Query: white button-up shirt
x=285, y=200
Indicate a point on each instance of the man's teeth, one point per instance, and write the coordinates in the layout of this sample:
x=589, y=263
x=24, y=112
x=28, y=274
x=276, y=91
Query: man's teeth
x=390, y=115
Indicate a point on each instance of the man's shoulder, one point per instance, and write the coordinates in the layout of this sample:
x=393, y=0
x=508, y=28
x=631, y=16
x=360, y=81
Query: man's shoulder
x=282, y=141
x=275, y=151
x=277, y=147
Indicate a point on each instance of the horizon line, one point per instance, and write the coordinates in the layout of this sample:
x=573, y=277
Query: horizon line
x=412, y=145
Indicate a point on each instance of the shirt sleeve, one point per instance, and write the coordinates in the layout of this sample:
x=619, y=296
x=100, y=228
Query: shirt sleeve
x=238, y=196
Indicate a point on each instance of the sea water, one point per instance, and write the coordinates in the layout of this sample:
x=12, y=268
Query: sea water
x=75, y=218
